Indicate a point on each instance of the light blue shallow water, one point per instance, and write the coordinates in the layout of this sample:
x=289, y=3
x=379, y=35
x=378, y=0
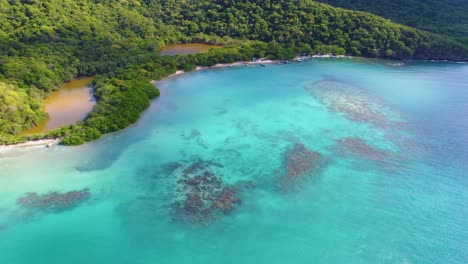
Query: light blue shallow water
x=334, y=161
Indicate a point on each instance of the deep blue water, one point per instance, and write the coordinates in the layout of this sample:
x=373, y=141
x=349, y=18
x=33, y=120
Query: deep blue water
x=325, y=161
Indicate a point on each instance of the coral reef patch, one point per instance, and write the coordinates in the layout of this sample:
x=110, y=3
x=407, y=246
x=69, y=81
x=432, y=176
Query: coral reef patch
x=53, y=201
x=354, y=146
x=202, y=195
x=354, y=103
x=300, y=163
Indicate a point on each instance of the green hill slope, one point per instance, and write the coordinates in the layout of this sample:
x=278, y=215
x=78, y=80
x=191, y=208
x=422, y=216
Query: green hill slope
x=46, y=42
x=448, y=17
x=307, y=22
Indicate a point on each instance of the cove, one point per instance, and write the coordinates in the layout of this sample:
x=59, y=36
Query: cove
x=71, y=103
x=328, y=160
x=186, y=48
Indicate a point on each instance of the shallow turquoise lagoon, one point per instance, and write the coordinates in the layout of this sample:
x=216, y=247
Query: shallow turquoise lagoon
x=325, y=161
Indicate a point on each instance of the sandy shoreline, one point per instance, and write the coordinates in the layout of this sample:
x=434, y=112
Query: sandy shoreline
x=29, y=144
x=261, y=61
x=220, y=65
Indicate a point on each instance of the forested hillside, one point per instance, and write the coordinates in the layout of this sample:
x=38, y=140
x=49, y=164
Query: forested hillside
x=44, y=43
x=306, y=23
x=447, y=17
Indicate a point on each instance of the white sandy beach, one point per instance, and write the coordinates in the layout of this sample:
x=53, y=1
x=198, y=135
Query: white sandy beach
x=257, y=62
x=29, y=144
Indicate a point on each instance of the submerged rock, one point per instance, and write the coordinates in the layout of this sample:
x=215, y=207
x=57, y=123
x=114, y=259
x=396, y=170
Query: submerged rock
x=300, y=163
x=54, y=201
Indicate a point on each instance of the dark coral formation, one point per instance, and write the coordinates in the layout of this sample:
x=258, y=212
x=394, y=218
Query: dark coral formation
x=196, y=136
x=355, y=104
x=54, y=201
x=384, y=159
x=352, y=146
x=170, y=167
x=300, y=163
x=203, y=196
x=199, y=166
x=193, y=134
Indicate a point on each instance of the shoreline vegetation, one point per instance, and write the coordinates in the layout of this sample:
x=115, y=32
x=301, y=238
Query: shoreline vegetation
x=257, y=62
x=186, y=49
x=58, y=139
x=44, y=44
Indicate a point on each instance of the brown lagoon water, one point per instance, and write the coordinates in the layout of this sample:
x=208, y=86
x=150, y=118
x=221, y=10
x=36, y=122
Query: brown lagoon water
x=66, y=106
x=187, y=48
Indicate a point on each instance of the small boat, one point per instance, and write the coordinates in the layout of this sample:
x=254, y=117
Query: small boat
x=230, y=66
x=396, y=64
x=50, y=144
x=263, y=65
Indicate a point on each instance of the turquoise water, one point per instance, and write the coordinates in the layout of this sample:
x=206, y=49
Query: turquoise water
x=325, y=161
